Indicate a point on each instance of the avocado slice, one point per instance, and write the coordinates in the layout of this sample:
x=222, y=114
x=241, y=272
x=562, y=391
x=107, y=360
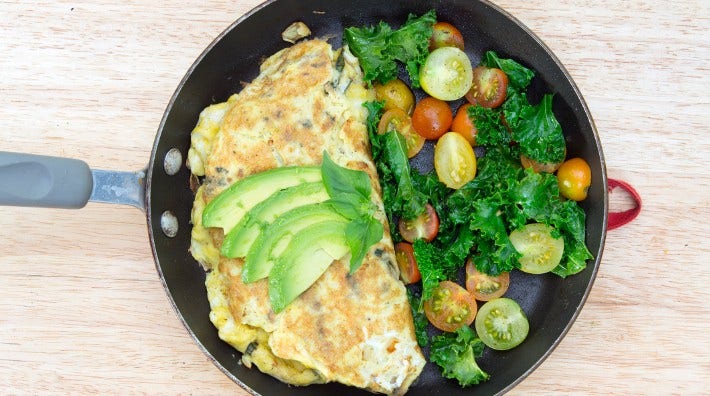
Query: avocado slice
x=275, y=237
x=228, y=208
x=238, y=241
x=305, y=259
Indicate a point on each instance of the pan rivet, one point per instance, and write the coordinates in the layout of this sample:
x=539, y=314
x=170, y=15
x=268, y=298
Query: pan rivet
x=172, y=162
x=169, y=224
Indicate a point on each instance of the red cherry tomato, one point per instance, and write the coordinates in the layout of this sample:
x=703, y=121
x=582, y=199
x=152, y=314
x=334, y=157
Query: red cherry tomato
x=445, y=35
x=450, y=307
x=425, y=226
x=432, y=118
x=489, y=87
x=408, y=268
x=485, y=287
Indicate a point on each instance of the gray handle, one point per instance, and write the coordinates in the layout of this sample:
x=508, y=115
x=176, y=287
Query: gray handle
x=54, y=182
x=41, y=181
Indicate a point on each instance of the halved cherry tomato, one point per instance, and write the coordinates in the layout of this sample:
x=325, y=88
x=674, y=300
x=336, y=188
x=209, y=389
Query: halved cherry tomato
x=445, y=35
x=408, y=268
x=450, y=307
x=454, y=160
x=446, y=74
x=489, y=87
x=501, y=324
x=432, y=118
x=464, y=125
x=395, y=94
x=397, y=120
x=425, y=226
x=574, y=178
x=540, y=251
x=485, y=287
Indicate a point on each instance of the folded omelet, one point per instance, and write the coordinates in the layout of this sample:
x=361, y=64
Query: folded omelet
x=354, y=329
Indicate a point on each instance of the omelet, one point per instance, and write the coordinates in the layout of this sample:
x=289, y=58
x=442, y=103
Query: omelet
x=355, y=329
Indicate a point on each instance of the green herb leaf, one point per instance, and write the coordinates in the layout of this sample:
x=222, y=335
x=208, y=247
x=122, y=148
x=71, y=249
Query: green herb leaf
x=340, y=181
x=360, y=235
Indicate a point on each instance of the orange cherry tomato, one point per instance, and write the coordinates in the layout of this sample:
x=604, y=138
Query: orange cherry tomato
x=408, y=268
x=464, y=125
x=425, y=226
x=485, y=287
x=450, y=307
x=445, y=35
x=489, y=87
x=397, y=120
x=432, y=118
x=574, y=178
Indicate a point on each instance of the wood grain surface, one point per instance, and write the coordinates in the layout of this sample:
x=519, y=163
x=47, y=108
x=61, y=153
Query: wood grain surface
x=83, y=311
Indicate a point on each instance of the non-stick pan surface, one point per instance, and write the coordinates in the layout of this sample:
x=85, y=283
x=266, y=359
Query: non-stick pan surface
x=550, y=302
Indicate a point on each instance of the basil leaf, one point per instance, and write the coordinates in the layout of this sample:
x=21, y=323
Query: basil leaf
x=340, y=181
x=360, y=235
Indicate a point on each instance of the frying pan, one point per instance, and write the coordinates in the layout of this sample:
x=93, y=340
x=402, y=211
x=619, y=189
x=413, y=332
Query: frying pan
x=163, y=190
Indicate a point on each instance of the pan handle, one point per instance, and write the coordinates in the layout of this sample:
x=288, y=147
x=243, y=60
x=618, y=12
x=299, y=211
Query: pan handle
x=55, y=182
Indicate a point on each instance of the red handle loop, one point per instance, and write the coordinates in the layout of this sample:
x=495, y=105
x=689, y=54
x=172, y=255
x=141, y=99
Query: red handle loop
x=618, y=219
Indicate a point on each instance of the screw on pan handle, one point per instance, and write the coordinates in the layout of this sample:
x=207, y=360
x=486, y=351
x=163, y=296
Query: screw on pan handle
x=618, y=219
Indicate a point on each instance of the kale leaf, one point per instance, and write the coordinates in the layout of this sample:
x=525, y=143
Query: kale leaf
x=539, y=134
x=420, y=320
x=379, y=47
x=456, y=353
x=401, y=198
x=519, y=76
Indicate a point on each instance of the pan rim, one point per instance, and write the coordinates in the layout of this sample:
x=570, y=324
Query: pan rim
x=153, y=162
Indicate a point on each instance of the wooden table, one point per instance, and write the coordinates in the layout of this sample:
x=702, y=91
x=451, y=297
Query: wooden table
x=83, y=311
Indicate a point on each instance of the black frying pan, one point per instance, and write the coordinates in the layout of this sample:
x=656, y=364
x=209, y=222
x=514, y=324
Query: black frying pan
x=163, y=190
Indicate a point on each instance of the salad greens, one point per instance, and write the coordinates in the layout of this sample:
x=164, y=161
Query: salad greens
x=378, y=47
x=477, y=219
x=420, y=320
x=456, y=354
x=401, y=197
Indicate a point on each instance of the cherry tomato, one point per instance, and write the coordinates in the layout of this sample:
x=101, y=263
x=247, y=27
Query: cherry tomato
x=396, y=95
x=446, y=74
x=489, y=87
x=454, y=160
x=450, y=307
x=408, y=268
x=425, y=226
x=501, y=324
x=445, y=35
x=485, y=287
x=464, y=125
x=397, y=120
x=574, y=178
x=541, y=252
x=432, y=118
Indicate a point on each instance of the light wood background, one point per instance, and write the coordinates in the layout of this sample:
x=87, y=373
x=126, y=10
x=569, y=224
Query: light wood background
x=82, y=310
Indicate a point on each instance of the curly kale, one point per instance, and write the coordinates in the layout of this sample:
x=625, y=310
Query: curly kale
x=456, y=353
